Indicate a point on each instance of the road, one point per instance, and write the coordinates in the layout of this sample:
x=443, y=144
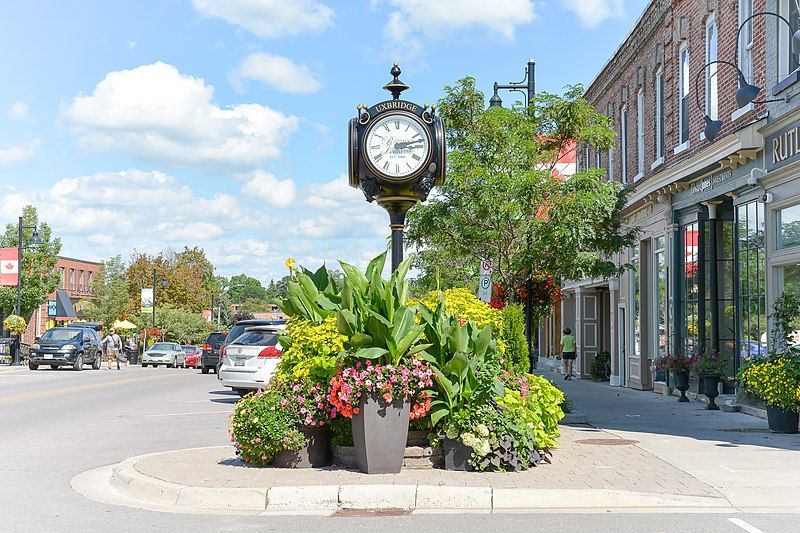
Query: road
x=56, y=424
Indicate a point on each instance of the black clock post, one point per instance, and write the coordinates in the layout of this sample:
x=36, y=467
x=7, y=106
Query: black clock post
x=396, y=156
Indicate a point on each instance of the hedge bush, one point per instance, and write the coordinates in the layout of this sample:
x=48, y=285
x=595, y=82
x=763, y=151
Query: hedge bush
x=516, y=358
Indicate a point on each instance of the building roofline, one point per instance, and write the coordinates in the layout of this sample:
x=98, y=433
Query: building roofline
x=79, y=260
x=619, y=47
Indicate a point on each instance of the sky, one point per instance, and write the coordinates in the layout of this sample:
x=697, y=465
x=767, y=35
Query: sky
x=158, y=124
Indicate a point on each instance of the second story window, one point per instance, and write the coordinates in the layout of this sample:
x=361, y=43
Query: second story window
x=597, y=160
x=683, y=94
x=659, y=115
x=787, y=61
x=611, y=164
x=640, y=133
x=712, y=98
x=623, y=142
x=746, y=40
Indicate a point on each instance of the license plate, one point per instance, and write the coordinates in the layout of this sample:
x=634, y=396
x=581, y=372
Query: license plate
x=238, y=363
x=48, y=356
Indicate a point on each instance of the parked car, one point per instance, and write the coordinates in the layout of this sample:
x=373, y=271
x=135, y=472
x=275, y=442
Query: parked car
x=237, y=330
x=192, y=355
x=66, y=346
x=164, y=353
x=210, y=356
x=249, y=361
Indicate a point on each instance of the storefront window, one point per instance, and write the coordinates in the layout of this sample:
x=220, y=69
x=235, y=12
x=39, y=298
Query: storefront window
x=660, y=295
x=789, y=282
x=636, y=301
x=789, y=227
x=691, y=287
x=752, y=285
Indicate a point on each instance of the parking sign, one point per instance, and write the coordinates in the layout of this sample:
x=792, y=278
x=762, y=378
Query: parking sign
x=485, y=281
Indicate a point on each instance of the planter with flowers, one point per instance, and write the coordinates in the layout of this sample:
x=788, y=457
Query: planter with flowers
x=776, y=381
x=15, y=324
x=710, y=369
x=679, y=366
x=306, y=401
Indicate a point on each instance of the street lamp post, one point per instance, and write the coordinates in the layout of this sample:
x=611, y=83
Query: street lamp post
x=529, y=85
x=35, y=240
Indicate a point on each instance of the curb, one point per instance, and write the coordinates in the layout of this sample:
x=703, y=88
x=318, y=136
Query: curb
x=149, y=492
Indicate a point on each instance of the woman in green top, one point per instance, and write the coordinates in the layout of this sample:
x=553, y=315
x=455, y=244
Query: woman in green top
x=568, y=352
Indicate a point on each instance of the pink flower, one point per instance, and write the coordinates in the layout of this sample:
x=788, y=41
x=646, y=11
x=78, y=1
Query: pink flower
x=300, y=399
x=258, y=440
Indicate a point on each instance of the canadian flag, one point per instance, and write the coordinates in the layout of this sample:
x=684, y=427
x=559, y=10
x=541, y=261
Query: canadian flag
x=9, y=266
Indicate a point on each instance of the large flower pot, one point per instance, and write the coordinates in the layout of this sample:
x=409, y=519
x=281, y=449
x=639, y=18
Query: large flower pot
x=681, y=378
x=781, y=421
x=313, y=455
x=456, y=455
x=708, y=386
x=380, y=430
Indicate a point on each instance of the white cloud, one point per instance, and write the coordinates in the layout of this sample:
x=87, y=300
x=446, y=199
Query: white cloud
x=442, y=18
x=15, y=154
x=280, y=72
x=593, y=12
x=155, y=113
x=265, y=186
x=18, y=111
x=270, y=18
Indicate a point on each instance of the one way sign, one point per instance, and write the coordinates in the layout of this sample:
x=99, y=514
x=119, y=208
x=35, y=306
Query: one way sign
x=9, y=266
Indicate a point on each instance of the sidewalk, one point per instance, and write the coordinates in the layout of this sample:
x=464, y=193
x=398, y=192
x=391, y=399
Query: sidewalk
x=647, y=453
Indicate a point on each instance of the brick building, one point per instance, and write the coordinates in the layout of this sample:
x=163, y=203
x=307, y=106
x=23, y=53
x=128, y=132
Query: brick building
x=73, y=291
x=705, y=265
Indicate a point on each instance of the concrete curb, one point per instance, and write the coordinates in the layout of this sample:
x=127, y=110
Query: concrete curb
x=149, y=492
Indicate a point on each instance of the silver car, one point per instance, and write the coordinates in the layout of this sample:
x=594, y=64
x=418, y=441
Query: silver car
x=249, y=362
x=165, y=353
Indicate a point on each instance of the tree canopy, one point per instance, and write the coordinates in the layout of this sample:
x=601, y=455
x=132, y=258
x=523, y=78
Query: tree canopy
x=502, y=200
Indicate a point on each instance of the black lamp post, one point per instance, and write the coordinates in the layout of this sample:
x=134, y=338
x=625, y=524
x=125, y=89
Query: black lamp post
x=35, y=240
x=163, y=286
x=747, y=92
x=529, y=84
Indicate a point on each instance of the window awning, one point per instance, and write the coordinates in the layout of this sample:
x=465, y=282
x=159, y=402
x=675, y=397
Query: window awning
x=64, y=308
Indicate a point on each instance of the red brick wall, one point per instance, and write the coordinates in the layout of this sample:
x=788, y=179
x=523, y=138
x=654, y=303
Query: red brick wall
x=636, y=61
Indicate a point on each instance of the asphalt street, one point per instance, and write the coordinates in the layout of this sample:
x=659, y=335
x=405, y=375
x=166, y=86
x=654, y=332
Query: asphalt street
x=56, y=424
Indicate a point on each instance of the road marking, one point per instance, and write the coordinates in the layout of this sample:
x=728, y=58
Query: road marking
x=744, y=525
x=192, y=413
x=726, y=468
x=56, y=392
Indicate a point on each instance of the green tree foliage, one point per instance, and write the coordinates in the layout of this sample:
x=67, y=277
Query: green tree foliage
x=189, y=274
x=112, y=300
x=243, y=288
x=516, y=357
x=39, y=277
x=502, y=202
x=177, y=325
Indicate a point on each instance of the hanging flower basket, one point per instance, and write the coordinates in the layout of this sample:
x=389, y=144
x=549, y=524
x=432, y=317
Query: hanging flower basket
x=15, y=324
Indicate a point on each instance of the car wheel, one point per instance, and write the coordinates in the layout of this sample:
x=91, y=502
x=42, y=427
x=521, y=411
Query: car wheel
x=54, y=367
x=204, y=369
x=144, y=365
x=96, y=362
x=170, y=365
x=78, y=363
x=243, y=392
x=33, y=366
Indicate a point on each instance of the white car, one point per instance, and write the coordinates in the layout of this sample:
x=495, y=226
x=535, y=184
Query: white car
x=249, y=362
x=164, y=353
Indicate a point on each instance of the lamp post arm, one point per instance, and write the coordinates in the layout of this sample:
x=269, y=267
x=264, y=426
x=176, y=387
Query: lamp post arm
x=748, y=19
x=703, y=70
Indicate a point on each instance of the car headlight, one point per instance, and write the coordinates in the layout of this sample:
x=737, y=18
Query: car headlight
x=35, y=347
x=68, y=347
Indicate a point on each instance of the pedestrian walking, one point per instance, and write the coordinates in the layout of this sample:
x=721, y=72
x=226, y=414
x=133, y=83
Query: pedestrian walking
x=111, y=348
x=569, y=351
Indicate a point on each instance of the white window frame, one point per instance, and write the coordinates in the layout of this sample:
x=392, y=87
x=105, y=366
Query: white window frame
x=586, y=158
x=659, y=117
x=640, y=133
x=784, y=53
x=623, y=140
x=611, y=164
x=683, y=91
x=711, y=75
x=598, y=163
x=745, y=44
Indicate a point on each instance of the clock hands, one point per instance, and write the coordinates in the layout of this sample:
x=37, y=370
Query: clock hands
x=407, y=144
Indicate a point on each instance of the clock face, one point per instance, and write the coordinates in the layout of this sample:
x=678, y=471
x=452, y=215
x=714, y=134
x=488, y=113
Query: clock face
x=397, y=145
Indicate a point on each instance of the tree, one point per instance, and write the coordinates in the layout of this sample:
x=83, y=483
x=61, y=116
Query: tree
x=39, y=275
x=503, y=202
x=178, y=325
x=243, y=288
x=112, y=299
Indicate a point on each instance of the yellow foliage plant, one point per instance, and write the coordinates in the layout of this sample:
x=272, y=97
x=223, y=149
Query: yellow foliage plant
x=465, y=305
x=310, y=350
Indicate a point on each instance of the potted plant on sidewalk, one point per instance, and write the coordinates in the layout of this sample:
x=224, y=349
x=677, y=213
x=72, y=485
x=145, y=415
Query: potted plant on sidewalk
x=679, y=366
x=776, y=381
x=710, y=369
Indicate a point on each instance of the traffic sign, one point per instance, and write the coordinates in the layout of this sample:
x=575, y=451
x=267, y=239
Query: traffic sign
x=485, y=281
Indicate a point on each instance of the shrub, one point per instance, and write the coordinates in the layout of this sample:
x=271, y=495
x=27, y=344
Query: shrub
x=775, y=380
x=600, y=368
x=261, y=427
x=516, y=357
x=465, y=305
x=310, y=350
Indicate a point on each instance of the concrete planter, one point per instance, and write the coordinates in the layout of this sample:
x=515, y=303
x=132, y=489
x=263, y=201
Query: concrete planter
x=380, y=430
x=315, y=454
x=781, y=421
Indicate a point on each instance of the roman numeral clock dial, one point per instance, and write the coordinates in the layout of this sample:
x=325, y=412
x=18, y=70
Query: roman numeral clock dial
x=397, y=145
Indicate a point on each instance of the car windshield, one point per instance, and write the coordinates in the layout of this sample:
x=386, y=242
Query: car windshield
x=190, y=349
x=161, y=346
x=257, y=338
x=59, y=335
x=235, y=332
x=216, y=338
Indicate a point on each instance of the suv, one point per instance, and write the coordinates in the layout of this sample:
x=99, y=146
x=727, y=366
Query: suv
x=66, y=346
x=238, y=329
x=210, y=356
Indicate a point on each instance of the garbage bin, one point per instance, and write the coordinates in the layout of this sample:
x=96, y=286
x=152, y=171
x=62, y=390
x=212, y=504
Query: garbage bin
x=132, y=355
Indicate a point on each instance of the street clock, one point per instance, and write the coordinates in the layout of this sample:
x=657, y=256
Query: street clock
x=396, y=155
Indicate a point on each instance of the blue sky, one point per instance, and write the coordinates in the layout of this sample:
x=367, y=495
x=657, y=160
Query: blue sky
x=222, y=123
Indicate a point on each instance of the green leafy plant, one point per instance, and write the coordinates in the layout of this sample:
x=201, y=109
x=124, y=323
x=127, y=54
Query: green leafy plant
x=537, y=404
x=464, y=360
x=374, y=315
x=785, y=312
x=310, y=349
x=15, y=324
x=466, y=306
x=710, y=364
x=261, y=427
x=516, y=356
x=313, y=296
x=600, y=367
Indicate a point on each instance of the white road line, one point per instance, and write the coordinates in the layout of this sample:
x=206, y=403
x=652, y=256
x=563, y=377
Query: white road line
x=726, y=468
x=194, y=413
x=744, y=525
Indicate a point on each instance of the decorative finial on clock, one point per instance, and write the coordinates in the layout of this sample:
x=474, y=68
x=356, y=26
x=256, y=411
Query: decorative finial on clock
x=395, y=86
